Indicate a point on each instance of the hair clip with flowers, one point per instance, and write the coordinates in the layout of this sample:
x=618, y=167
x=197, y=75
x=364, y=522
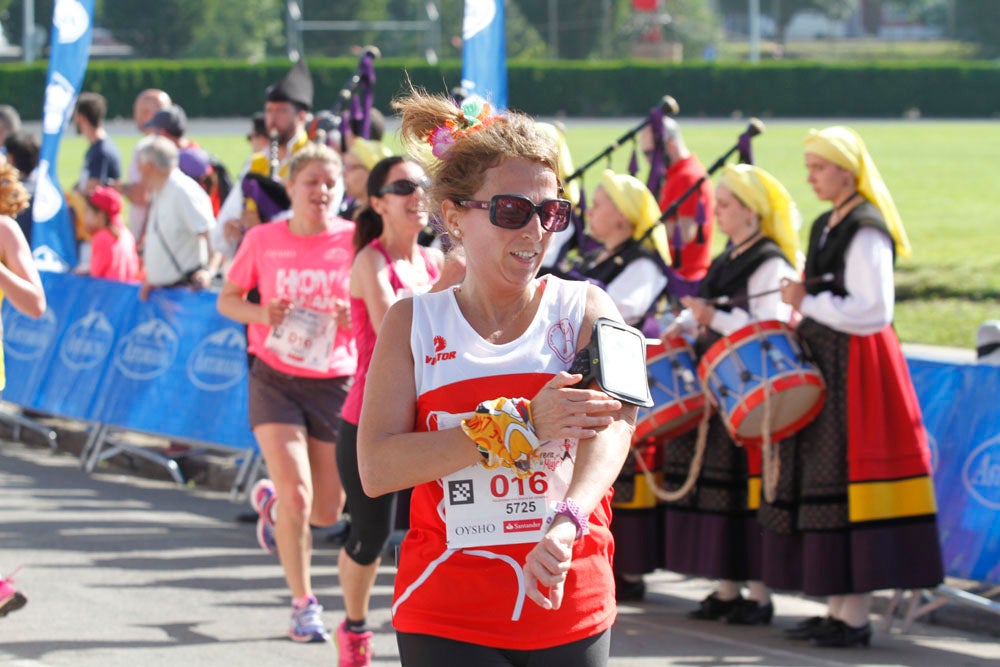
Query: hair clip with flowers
x=476, y=114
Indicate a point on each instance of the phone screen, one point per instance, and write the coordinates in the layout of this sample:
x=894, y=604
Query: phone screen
x=623, y=362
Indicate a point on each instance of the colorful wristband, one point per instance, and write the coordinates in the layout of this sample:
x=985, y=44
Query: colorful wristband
x=503, y=433
x=569, y=508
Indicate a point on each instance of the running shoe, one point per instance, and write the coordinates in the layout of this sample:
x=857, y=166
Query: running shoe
x=307, y=626
x=262, y=498
x=354, y=649
x=10, y=599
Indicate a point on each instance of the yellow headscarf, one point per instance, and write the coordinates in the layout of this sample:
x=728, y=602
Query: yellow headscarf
x=369, y=153
x=766, y=196
x=638, y=205
x=571, y=189
x=844, y=147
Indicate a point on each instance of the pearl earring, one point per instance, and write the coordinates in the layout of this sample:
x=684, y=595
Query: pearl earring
x=457, y=233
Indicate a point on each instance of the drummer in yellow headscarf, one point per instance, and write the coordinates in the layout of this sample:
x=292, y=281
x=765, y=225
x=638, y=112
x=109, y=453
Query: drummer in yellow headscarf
x=858, y=478
x=757, y=214
x=631, y=263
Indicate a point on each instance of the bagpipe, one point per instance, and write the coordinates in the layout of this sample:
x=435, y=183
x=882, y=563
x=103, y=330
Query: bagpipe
x=573, y=250
x=351, y=112
x=668, y=107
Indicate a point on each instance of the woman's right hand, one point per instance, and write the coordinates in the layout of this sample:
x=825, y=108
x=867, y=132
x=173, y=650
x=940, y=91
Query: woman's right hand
x=276, y=311
x=559, y=412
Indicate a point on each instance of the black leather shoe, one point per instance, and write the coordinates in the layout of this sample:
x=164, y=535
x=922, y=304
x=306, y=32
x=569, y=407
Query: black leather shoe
x=808, y=628
x=840, y=635
x=750, y=612
x=712, y=608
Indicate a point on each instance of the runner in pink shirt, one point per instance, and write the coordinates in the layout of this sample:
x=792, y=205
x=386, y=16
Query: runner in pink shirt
x=303, y=361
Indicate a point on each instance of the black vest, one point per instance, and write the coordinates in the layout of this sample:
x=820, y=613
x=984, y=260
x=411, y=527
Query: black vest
x=729, y=277
x=831, y=258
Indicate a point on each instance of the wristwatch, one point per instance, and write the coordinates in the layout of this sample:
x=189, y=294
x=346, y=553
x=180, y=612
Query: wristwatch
x=570, y=509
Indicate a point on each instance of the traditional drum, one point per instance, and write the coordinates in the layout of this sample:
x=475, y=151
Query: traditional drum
x=678, y=400
x=761, y=383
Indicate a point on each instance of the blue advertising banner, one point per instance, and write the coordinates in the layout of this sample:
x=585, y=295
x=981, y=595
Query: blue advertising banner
x=53, y=235
x=963, y=424
x=484, y=51
x=172, y=365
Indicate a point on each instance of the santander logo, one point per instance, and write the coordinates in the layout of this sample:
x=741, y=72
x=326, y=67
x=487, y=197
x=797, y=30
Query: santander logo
x=439, y=352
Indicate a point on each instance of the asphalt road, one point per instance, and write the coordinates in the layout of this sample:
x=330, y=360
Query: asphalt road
x=121, y=571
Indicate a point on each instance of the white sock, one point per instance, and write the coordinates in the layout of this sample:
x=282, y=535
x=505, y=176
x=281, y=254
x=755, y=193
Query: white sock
x=854, y=609
x=833, y=605
x=759, y=592
x=727, y=590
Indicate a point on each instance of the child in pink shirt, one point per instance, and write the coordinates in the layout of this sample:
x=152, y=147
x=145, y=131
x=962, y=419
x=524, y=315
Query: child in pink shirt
x=113, y=253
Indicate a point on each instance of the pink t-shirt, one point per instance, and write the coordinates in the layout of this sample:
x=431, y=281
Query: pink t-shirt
x=365, y=334
x=310, y=271
x=114, y=258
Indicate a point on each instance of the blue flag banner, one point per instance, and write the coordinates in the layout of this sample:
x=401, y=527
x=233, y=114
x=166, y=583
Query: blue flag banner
x=52, y=234
x=171, y=366
x=963, y=426
x=484, y=51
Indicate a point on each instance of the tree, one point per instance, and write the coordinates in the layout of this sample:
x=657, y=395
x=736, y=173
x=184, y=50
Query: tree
x=157, y=29
x=978, y=21
x=783, y=11
x=238, y=29
x=579, y=28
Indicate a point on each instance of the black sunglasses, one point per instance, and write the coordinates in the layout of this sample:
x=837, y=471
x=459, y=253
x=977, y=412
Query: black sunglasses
x=402, y=187
x=514, y=211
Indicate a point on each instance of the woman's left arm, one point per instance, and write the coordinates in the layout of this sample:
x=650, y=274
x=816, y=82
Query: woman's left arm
x=19, y=279
x=598, y=461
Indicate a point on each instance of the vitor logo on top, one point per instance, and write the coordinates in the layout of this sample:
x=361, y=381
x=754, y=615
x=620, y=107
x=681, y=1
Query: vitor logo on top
x=147, y=351
x=87, y=341
x=219, y=361
x=26, y=338
x=981, y=473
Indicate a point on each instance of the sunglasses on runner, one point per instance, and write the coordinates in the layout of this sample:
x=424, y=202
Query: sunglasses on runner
x=514, y=211
x=402, y=187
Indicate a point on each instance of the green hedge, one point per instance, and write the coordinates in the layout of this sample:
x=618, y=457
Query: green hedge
x=571, y=88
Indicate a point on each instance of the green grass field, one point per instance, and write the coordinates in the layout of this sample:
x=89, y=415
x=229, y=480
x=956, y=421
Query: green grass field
x=943, y=175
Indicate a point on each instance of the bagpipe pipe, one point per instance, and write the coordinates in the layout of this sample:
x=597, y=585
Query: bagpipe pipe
x=743, y=147
x=352, y=111
x=667, y=107
x=580, y=244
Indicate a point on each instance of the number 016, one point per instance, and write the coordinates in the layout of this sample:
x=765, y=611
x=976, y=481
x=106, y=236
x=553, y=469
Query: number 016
x=536, y=485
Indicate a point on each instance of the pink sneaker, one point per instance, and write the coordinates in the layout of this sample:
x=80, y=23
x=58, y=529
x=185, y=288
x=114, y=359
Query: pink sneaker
x=10, y=599
x=263, y=498
x=354, y=649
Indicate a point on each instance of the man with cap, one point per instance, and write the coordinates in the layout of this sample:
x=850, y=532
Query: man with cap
x=194, y=161
x=287, y=104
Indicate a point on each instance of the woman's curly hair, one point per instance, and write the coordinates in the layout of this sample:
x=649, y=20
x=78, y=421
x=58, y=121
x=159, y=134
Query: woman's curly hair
x=13, y=196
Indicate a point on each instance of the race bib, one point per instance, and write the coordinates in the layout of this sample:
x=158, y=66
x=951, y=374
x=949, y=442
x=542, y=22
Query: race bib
x=487, y=507
x=304, y=339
